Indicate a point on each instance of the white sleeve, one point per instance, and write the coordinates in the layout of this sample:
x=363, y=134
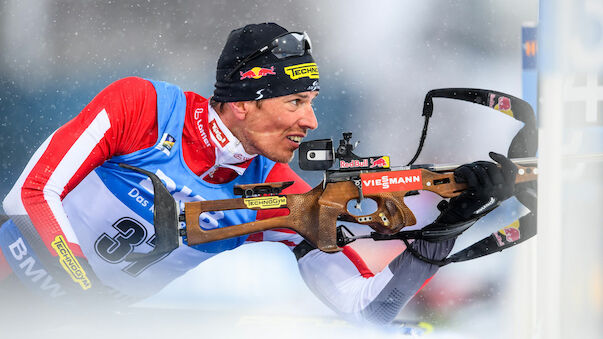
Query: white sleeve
x=339, y=281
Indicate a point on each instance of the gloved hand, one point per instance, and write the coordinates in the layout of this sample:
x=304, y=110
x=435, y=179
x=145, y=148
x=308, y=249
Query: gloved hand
x=489, y=185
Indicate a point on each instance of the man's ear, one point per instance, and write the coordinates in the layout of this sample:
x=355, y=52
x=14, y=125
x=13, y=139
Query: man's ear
x=240, y=109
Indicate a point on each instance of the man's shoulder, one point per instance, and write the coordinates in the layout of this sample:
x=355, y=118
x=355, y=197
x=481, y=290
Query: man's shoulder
x=132, y=82
x=283, y=172
x=137, y=83
x=195, y=98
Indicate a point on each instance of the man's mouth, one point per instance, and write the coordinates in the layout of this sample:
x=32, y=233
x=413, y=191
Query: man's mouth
x=295, y=138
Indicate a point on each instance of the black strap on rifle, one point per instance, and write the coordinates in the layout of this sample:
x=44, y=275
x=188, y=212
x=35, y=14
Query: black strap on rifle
x=504, y=238
x=508, y=236
x=495, y=242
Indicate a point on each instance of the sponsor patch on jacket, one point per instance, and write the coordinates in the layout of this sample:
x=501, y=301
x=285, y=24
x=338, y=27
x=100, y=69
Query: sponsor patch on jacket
x=308, y=70
x=217, y=132
x=70, y=263
x=166, y=144
x=25, y=264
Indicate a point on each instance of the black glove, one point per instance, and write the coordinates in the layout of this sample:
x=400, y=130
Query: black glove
x=489, y=185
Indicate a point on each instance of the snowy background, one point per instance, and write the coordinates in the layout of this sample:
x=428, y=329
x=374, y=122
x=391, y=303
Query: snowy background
x=377, y=60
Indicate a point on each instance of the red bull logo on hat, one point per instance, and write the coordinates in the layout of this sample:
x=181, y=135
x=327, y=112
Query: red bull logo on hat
x=257, y=72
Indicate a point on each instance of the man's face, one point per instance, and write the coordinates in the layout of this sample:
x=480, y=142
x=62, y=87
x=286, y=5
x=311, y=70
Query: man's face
x=275, y=129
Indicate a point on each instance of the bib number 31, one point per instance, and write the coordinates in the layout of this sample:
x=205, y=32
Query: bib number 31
x=115, y=249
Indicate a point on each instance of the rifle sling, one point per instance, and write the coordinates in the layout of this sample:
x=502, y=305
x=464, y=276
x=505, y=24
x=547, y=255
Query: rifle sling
x=488, y=245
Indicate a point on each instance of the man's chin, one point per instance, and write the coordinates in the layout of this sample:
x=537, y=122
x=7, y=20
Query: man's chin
x=282, y=158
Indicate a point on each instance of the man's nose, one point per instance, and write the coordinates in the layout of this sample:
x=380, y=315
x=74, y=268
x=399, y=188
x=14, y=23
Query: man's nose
x=308, y=120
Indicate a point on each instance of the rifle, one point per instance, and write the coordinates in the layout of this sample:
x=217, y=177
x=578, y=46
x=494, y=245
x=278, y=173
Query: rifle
x=314, y=214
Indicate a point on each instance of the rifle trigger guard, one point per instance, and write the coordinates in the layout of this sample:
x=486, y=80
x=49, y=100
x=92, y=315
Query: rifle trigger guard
x=343, y=238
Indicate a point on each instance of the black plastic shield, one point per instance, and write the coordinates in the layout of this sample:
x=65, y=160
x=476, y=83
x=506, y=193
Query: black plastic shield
x=316, y=155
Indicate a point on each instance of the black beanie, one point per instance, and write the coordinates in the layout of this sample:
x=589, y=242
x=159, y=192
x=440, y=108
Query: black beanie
x=265, y=76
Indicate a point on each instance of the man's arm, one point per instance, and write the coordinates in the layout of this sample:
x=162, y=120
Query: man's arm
x=119, y=120
x=342, y=280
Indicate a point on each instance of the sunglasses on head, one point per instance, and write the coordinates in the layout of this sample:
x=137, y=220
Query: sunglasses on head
x=283, y=46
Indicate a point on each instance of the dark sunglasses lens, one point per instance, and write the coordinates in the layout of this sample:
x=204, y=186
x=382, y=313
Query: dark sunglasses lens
x=293, y=44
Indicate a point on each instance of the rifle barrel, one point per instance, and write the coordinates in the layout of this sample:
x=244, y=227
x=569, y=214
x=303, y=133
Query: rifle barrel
x=530, y=161
x=451, y=167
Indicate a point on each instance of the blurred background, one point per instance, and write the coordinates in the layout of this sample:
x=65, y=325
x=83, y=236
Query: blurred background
x=376, y=60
